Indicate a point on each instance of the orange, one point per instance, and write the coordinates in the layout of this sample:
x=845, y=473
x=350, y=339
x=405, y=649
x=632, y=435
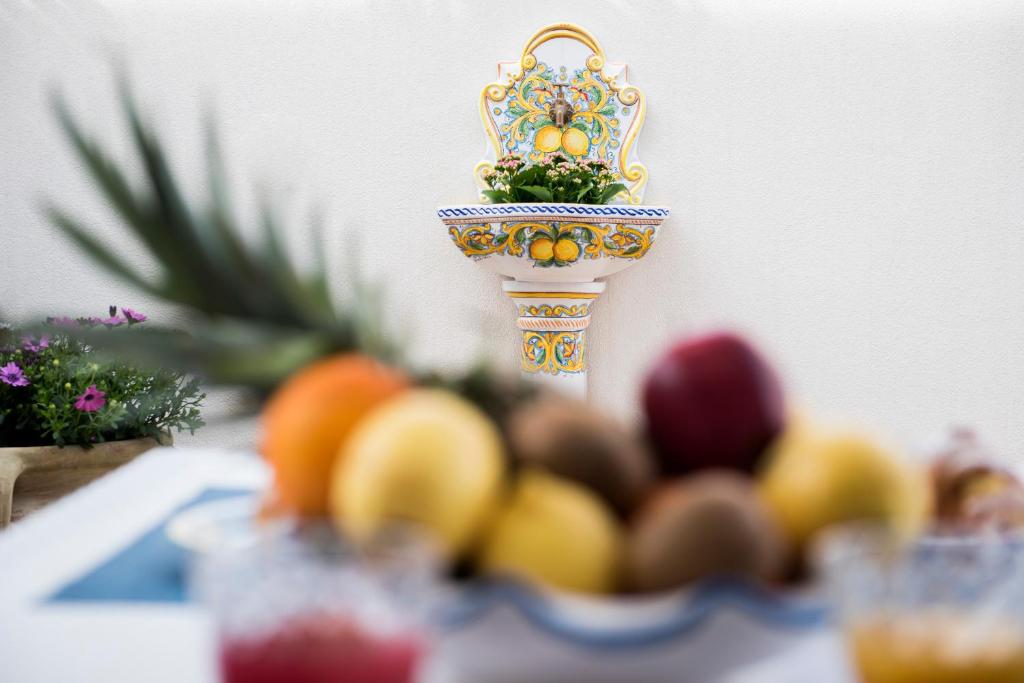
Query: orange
x=309, y=418
x=547, y=139
x=270, y=507
x=575, y=142
x=541, y=249
x=566, y=250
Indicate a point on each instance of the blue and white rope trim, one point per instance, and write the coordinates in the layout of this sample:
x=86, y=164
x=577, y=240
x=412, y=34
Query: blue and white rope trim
x=612, y=211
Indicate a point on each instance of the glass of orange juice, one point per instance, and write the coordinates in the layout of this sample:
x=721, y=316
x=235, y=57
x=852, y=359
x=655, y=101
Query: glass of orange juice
x=938, y=609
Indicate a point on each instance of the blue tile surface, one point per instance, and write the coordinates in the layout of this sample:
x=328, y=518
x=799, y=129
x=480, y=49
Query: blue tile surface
x=151, y=568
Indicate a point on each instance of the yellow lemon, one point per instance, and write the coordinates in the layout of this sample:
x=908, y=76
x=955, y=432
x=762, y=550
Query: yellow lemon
x=816, y=478
x=426, y=457
x=566, y=250
x=541, y=249
x=547, y=139
x=575, y=142
x=556, y=532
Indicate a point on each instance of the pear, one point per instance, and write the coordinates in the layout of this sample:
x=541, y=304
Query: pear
x=426, y=457
x=816, y=478
x=557, y=533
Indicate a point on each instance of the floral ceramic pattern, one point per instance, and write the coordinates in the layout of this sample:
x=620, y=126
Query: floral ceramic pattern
x=526, y=127
x=564, y=62
x=553, y=352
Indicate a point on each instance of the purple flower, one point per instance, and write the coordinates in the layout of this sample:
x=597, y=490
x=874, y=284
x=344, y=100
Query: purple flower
x=13, y=375
x=92, y=400
x=91, y=321
x=35, y=345
x=132, y=316
x=113, y=321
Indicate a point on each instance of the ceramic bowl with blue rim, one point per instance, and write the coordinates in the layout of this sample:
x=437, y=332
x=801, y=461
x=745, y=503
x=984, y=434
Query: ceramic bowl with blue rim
x=549, y=242
x=504, y=631
x=507, y=632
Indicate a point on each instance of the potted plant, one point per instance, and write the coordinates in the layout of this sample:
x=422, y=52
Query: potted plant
x=69, y=415
x=554, y=213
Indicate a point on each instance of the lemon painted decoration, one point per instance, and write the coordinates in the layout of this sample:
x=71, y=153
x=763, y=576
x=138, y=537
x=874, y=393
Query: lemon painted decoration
x=563, y=95
x=563, y=190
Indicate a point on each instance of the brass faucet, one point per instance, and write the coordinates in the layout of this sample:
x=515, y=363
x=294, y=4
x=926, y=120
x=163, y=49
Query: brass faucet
x=560, y=111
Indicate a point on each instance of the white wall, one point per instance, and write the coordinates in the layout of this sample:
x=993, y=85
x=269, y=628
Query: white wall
x=847, y=177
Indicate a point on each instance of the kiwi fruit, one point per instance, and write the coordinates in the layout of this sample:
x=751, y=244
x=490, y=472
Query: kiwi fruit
x=708, y=524
x=573, y=440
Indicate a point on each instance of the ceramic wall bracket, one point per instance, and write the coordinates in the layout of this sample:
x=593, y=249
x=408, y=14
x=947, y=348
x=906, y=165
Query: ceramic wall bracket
x=554, y=253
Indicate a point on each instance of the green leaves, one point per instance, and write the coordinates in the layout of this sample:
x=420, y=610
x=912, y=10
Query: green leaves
x=557, y=178
x=539, y=193
x=498, y=196
x=254, y=318
x=609, y=192
x=584, y=190
x=251, y=317
x=136, y=402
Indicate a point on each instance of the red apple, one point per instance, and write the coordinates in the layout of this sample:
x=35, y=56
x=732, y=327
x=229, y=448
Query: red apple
x=712, y=401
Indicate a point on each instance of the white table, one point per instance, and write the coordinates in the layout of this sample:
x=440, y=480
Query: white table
x=53, y=643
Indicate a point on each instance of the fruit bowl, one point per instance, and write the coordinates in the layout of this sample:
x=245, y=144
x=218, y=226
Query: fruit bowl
x=553, y=243
x=508, y=632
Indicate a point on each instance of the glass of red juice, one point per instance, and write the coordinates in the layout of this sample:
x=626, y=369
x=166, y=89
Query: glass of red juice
x=306, y=608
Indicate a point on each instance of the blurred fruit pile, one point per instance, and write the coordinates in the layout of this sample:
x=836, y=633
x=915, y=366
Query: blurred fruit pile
x=719, y=481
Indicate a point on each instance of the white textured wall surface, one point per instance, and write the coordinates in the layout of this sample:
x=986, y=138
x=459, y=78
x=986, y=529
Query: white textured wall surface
x=847, y=178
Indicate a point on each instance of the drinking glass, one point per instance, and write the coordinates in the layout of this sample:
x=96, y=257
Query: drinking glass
x=938, y=609
x=304, y=607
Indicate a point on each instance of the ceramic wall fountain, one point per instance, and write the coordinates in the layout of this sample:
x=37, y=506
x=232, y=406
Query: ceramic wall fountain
x=560, y=95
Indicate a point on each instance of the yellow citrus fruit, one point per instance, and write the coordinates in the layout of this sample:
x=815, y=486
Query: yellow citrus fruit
x=556, y=532
x=566, y=250
x=541, y=249
x=310, y=416
x=818, y=477
x=575, y=142
x=547, y=139
x=429, y=458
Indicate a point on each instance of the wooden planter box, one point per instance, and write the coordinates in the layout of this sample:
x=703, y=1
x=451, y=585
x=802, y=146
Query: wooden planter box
x=33, y=476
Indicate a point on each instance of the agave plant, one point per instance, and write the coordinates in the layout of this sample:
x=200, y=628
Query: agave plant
x=254, y=318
